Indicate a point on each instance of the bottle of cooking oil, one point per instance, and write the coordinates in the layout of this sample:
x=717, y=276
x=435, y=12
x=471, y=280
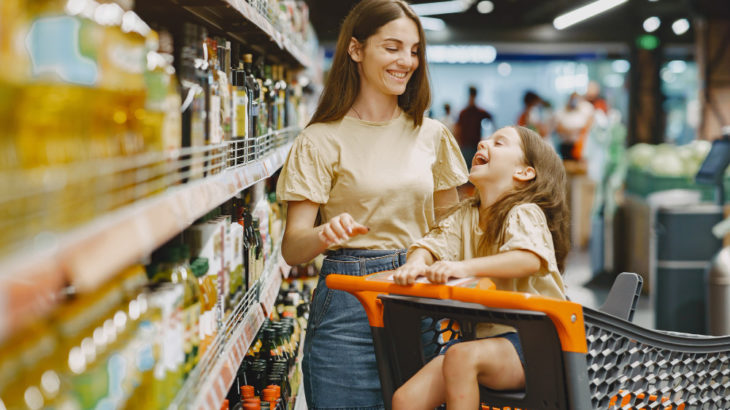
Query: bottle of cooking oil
x=174, y=267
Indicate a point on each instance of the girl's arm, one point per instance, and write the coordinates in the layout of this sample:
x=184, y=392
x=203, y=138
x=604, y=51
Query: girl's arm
x=510, y=264
x=303, y=241
x=416, y=265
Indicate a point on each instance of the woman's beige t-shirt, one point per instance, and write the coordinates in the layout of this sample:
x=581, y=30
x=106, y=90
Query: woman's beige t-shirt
x=383, y=174
x=457, y=238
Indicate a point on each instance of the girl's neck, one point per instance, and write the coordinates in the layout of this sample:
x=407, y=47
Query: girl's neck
x=490, y=193
x=374, y=106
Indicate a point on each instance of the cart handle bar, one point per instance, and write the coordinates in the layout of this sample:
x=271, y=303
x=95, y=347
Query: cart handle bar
x=566, y=316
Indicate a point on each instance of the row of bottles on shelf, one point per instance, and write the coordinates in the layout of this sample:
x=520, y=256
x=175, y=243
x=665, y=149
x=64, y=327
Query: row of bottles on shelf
x=95, y=82
x=268, y=377
x=229, y=97
x=89, y=85
x=132, y=343
x=289, y=17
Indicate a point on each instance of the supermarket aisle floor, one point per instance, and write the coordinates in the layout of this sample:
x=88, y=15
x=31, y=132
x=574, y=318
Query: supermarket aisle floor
x=577, y=277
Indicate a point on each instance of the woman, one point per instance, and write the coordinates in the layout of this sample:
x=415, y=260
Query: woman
x=376, y=172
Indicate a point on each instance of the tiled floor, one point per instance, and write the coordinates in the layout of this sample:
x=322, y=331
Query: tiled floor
x=577, y=277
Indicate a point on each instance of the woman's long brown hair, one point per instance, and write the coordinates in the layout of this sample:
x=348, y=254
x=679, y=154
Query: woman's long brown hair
x=547, y=190
x=343, y=82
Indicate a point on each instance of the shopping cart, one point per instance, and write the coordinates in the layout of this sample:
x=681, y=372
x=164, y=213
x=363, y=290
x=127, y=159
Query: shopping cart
x=575, y=357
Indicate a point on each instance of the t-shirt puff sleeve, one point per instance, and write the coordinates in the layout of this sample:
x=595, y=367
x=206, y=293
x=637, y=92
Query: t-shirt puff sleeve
x=527, y=229
x=305, y=174
x=444, y=241
x=449, y=170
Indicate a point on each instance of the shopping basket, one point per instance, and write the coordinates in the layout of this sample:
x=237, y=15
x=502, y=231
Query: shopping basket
x=575, y=357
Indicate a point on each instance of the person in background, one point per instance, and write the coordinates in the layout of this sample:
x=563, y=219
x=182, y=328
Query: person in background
x=514, y=231
x=447, y=119
x=573, y=122
x=469, y=126
x=377, y=174
x=530, y=116
x=593, y=96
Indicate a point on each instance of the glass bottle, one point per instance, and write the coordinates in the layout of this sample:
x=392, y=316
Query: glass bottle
x=254, y=91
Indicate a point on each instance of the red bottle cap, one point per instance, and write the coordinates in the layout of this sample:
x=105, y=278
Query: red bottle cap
x=247, y=391
x=269, y=394
x=277, y=388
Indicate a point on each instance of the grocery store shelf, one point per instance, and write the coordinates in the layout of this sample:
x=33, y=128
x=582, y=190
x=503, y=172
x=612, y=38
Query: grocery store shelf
x=88, y=256
x=237, y=18
x=285, y=43
x=208, y=384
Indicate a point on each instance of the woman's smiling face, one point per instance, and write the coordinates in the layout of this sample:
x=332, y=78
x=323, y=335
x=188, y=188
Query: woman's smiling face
x=389, y=57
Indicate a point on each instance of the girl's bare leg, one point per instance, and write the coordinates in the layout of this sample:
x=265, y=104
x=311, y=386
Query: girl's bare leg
x=493, y=363
x=425, y=390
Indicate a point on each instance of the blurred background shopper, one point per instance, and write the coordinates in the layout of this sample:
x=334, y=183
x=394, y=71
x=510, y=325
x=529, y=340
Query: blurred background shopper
x=469, y=126
x=376, y=172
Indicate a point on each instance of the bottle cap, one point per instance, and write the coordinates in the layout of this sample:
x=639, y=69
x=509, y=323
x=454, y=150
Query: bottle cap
x=252, y=406
x=224, y=406
x=276, y=388
x=269, y=394
x=247, y=391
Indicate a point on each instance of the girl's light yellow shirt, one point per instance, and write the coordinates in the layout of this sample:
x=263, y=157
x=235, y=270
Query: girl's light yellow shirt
x=458, y=236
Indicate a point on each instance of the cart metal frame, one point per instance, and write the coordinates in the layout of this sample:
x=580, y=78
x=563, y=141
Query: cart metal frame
x=575, y=357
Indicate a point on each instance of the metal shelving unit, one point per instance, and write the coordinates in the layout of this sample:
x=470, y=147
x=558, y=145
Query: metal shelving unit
x=239, y=20
x=88, y=255
x=82, y=223
x=206, y=387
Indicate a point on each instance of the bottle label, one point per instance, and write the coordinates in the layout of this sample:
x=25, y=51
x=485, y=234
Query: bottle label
x=240, y=114
x=216, y=131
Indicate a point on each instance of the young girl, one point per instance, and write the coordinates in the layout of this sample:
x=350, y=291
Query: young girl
x=514, y=231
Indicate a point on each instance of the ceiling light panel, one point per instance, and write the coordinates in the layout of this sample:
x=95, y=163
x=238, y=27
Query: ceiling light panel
x=589, y=10
x=442, y=7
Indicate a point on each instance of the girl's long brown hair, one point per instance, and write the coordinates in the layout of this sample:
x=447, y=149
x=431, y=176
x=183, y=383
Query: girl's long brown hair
x=547, y=190
x=343, y=82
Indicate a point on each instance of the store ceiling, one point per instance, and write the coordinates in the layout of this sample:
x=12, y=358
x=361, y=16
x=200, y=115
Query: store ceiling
x=530, y=21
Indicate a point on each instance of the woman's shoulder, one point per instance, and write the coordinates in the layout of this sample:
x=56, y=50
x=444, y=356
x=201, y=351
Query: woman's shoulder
x=318, y=129
x=434, y=126
x=320, y=133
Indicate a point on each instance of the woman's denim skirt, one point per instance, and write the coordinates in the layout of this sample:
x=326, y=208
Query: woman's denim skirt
x=339, y=366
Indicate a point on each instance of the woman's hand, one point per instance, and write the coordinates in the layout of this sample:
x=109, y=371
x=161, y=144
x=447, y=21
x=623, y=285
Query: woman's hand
x=408, y=273
x=442, y=271
x=339, y=229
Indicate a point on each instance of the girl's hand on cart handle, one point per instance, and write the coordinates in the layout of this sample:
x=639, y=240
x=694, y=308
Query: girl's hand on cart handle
x=408, y=273
x=440, y=272
x=339, y=229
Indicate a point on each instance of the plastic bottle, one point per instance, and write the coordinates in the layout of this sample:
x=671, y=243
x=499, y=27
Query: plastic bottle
x=173, y=267
x=208, y=298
